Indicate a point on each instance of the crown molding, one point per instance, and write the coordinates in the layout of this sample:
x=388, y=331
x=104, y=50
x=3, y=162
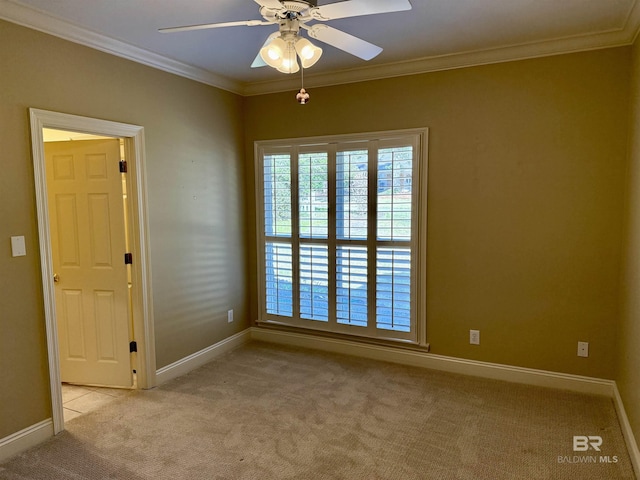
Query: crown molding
x=511, y=53
x=35, y=19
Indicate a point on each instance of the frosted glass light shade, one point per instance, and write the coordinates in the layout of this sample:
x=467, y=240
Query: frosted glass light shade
x=274, y=52
x=289, y=63
x=309, y=54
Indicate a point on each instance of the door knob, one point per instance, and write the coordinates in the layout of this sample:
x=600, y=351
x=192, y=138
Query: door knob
x=56, y=278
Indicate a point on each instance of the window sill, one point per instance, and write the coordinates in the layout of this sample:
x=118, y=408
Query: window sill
x=394, y=343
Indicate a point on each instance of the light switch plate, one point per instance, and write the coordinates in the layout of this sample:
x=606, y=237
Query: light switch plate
x=583, y=349
x=18, y=248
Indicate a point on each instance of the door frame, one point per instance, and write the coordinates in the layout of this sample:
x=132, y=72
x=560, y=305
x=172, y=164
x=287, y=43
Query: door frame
x=133, y=136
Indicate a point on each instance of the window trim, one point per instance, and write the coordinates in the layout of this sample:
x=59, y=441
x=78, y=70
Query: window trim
x=333, y=144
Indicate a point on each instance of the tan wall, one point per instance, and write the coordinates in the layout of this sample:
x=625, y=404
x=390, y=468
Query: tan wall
x=628, y=372
x=195, y=174
x=526, y=166
x=527, y=163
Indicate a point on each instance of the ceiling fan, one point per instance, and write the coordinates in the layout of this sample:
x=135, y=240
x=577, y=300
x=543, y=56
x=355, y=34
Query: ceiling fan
x=280, y=48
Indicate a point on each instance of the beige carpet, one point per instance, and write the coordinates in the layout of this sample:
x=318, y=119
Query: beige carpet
x=267, y=412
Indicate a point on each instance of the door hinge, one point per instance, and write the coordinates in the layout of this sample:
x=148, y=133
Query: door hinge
x=123, y=166
x=133, y=347
x=128, y=259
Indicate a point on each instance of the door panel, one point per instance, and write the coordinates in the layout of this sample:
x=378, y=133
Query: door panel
x=72, y=346
x=100, y=231
x=86, y=219
x=106, y=326
x=67, y=230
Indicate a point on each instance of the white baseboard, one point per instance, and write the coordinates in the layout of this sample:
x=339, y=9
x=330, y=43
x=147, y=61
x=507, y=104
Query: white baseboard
x=529, y=376
x=629, y=437
x=24, y=439
x=195, y=360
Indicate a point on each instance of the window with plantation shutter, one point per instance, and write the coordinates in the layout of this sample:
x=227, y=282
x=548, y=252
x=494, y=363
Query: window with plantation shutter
x=341, y=227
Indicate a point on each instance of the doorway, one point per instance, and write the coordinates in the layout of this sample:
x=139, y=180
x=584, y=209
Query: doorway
x=87, y=197
x=128, y=141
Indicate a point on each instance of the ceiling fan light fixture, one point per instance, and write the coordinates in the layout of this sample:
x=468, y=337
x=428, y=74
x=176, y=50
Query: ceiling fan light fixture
x=274, y=52
x=282, y=48
x=309, y=54
x=289, y=63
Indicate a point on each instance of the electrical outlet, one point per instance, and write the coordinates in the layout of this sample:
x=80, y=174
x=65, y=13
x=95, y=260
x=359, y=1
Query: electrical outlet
x=583, y=349
x=230, y=316
x=474, y=337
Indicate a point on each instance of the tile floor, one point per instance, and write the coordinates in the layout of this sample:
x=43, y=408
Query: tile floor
x=78, y=399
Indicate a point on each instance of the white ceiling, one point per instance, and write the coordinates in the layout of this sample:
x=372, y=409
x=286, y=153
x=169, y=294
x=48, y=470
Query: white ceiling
x=434, y=35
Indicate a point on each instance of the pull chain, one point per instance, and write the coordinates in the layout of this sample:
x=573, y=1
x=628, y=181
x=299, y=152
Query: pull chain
x=302, y=97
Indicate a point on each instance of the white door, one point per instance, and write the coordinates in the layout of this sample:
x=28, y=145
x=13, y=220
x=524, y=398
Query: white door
x=87, y=225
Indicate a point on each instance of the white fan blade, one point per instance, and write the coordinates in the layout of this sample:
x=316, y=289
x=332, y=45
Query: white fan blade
x=246, y=23
x=259, y=62
x=273, y=4
x=355, y=8
x=339, y=39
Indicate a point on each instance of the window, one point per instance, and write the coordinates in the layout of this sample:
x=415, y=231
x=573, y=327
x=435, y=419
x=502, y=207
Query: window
x=339, y=233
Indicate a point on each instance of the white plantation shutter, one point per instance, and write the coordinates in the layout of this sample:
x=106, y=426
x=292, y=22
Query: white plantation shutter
x=352, y=194
x=339, y=224
x=314, y=282
x=351, y=285
x=393, y=289
x=279, y=278
x=278, y=260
